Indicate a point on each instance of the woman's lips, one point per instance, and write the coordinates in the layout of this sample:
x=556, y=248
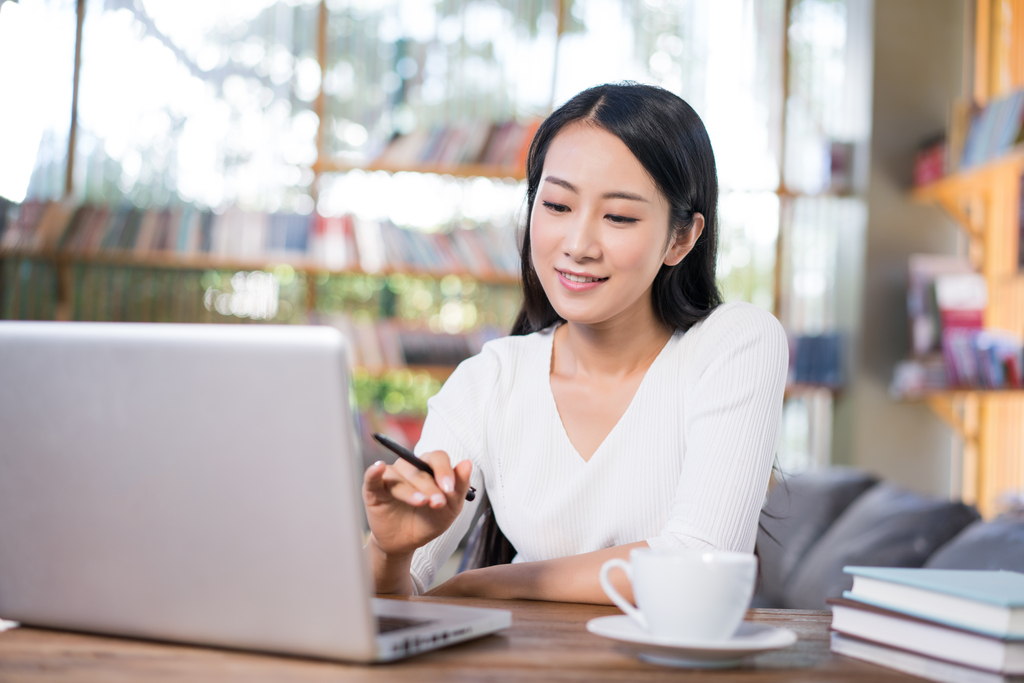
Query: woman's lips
x=578, y=283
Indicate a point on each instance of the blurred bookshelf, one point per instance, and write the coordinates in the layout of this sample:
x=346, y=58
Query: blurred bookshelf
x=286, y=121
x=412, y=304
x=979, y=184
x=455, y=171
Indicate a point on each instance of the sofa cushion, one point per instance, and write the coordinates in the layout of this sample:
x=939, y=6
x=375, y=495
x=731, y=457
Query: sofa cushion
x=998, y=544
x=885, y=527
x=799, y=510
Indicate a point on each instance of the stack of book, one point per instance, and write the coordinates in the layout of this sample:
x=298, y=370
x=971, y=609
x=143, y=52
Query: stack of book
x=954, y=626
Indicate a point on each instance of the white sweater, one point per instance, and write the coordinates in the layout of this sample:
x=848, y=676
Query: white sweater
x=687, y=465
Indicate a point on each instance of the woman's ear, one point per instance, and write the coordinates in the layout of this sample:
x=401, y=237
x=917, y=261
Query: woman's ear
x=684, y=242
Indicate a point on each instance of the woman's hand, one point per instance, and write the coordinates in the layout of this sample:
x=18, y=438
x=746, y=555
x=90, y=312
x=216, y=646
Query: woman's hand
x=407, y=508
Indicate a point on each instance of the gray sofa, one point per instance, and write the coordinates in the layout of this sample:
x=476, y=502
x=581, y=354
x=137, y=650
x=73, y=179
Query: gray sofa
x=816, y=523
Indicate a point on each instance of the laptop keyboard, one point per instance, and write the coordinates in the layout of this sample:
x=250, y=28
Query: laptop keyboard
x=388, y=624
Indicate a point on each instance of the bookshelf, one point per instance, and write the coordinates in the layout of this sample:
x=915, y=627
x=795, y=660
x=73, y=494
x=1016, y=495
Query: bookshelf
x=454, y=170
x=985, y=201
x=46, y=281
x=339, y=38
x=400, y=359
x=174, y=261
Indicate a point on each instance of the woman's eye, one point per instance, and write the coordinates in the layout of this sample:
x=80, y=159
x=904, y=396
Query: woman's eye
x=620, y=219
x=557, y=208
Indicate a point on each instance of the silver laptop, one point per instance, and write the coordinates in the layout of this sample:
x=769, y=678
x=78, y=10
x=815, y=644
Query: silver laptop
x=194, y=483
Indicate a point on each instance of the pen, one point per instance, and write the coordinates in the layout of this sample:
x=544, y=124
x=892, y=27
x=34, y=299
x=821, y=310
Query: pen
x=408, y=456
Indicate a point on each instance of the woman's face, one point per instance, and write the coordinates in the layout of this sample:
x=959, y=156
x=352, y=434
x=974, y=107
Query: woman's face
x=600, y=228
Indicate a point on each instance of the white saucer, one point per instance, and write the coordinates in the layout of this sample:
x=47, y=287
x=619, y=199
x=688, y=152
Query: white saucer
x=750, y=638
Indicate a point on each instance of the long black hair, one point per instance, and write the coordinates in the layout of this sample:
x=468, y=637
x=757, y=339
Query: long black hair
x=669, y=140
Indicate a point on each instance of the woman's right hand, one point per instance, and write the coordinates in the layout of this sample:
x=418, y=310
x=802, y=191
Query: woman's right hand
x=407, y=508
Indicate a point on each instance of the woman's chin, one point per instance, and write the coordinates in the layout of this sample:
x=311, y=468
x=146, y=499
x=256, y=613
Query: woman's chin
x=603, y=316
x=582, y=316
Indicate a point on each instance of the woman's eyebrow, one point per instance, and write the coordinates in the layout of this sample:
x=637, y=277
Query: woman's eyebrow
x=621, y=194
x=554, y=180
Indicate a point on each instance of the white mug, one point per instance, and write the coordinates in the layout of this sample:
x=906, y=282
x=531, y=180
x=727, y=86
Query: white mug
x=687, y=595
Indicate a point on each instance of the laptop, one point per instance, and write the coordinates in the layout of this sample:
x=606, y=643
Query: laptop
x=197, y=484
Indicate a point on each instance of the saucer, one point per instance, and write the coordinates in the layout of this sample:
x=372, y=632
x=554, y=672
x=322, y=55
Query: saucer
x=750, y=638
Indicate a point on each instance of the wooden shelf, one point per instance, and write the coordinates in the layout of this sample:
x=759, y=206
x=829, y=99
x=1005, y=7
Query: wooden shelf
x=455, y=170
x=947, y=394
x=171, y=260
x=795, y=390
x=959, y=408
x=976, y=178
x=985, y=202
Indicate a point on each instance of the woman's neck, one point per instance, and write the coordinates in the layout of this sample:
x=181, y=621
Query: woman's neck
x=618, y=347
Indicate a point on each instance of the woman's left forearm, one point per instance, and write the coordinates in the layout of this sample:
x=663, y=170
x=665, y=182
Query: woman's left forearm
x=566, y=579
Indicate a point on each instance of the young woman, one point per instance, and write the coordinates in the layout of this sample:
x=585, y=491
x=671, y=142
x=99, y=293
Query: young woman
x=630, y=408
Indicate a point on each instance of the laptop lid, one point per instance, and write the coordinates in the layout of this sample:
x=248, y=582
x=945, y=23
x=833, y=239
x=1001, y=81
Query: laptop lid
x=191, y=483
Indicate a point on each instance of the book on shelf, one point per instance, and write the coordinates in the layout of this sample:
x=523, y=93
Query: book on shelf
x=816, y=360
x=334, y=243
x=1020, y=227
x=28, y=290
x=945, y=310
x=961, y=299
x=984, y=359
x=994, y=129
x=925, y=637
x=919, y=376
x=379, y=346
x=930, y=161
x=986, y=602
x=5, y=205
x=922, y=309
x=913, y=663
x=975, y=357
x=961, y=113
x=499, y=145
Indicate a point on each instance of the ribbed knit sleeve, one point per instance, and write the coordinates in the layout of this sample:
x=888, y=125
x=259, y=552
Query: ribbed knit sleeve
x=454, y=425
x=733, y=382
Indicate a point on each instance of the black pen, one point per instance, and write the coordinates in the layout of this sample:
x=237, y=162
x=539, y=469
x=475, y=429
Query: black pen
x=408, y=456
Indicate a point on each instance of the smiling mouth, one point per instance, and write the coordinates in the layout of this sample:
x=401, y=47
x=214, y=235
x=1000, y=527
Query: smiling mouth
x=582, y=279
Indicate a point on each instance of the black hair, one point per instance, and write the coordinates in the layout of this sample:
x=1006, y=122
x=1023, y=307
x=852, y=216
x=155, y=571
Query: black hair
x=669, y=140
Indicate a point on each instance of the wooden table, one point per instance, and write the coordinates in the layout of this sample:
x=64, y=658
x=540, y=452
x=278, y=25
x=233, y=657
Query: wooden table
x=547, y=642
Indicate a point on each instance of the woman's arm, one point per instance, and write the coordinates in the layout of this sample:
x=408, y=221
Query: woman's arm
x=733, y=388
x=566, y=579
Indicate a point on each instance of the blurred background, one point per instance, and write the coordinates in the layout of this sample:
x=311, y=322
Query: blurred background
x=360, y=163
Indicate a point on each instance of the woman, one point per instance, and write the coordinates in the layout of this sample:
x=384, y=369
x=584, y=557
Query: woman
x=629, y=408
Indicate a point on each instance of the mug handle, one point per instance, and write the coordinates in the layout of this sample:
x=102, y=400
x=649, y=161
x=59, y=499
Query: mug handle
x=615, y=596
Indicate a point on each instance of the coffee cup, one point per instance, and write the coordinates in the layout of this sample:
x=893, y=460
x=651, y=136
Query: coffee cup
x=686, y=595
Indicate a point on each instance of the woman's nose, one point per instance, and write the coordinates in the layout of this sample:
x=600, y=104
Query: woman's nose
x=582, y=240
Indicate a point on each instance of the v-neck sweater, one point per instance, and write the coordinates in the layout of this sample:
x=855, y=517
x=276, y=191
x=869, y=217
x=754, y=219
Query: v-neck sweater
x=687, y=465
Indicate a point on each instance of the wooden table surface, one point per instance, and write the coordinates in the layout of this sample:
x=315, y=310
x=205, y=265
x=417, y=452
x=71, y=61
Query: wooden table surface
x=547, y=642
